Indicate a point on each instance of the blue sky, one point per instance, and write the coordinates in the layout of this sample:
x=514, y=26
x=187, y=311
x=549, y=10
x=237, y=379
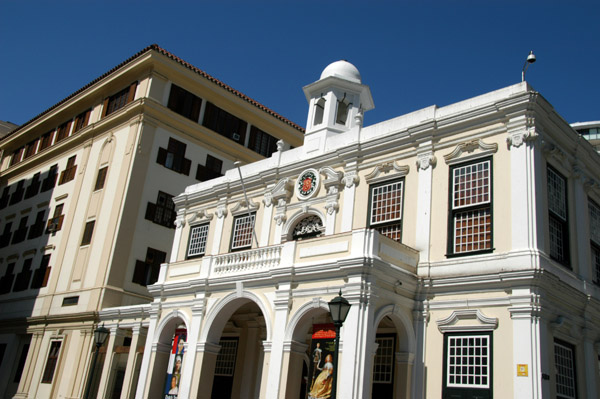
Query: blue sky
x=412, y=54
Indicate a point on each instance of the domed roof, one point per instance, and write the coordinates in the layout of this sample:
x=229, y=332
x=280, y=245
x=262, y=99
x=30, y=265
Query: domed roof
x=342, y=69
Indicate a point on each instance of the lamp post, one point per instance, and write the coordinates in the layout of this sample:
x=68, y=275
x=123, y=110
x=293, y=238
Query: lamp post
x=530, y=60
x=100, y=335
x=338, y=309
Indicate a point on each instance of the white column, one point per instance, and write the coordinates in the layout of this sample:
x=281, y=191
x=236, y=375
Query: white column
x=218, y=235
x=128, y=380
x=193, y=335
x=281, y=306
x=145, y=372
x=420, y=319
x=425, y=164
x=179, y=223
x=350, y=181
x=108, y=362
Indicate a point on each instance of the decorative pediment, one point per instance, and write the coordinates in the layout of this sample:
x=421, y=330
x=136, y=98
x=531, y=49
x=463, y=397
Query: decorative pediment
x=467, y=320
x=243, y=206
x=283, y=190
x=386, y=170
x=332, y=177
x=476, y=147
x=199, y=215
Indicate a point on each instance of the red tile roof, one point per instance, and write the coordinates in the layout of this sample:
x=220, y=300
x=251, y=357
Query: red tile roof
x=164, y=52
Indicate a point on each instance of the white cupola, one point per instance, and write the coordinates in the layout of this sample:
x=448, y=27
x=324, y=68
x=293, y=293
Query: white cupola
x=337, y=100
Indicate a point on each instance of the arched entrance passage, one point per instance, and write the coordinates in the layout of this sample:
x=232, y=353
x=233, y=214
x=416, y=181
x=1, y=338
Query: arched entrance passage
x=174, y=325
x=231, y=353
x=392, y=365
x=299, y=368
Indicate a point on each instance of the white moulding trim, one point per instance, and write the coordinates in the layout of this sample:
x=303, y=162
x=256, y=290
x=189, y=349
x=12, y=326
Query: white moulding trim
x=470, y=147
x=479, y=322
x=384, y=168
x=243, y=207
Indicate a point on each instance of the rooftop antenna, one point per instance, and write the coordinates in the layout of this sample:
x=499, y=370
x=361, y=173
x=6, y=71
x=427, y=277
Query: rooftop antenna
x=237, y=165
x=530, y=60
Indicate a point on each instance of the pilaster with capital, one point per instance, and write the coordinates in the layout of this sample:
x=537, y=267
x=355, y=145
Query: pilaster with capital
x=281, y=307
x=332, y=183
x=350, y=181
x=218, y=235
x=280, y=194
x=426, y=161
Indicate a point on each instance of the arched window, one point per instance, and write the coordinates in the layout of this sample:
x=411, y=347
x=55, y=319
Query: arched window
x=319, y=110
x=342, y=111
x=310, y=226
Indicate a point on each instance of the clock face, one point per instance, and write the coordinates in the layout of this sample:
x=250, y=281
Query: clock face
x=307, y=183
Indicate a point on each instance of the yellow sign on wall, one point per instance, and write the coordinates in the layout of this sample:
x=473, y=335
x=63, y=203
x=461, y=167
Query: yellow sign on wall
x=522, y=370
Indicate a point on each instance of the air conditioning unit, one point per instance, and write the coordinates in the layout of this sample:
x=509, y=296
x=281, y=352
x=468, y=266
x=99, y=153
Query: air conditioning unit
x=236, y=136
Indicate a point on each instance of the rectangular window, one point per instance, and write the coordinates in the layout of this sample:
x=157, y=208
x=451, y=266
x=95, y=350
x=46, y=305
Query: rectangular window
x=173, y=157
x=82, y=120
x=21, y=232
x=50, y=180
x=101, y=178
x=197, y=244
x=5, y=237
x=557, y=217
x=17, y=156
x=471, y=208
x=211, y=170
x=386, y=209
x=225, y=365
x=31, y=148
x=6, y=281
x=87, y=233
x=564, y=364
x=21, y=363
x=34, y=186
x=17, y=195
x=37, y=228
x=119, y=100
x=383, y=364
x=46, y=140
x=163, y=212
x=224, y=123
x=5, y=197
x=594, y=211
x=261, y=142
x=23, y=277
x=184, y=103
x=42, y=273
x=56, y=221
x=63, y=131
x=69, y=173
x=468, y=361
x=51, y=362
x=146, y=272
x=243, y=227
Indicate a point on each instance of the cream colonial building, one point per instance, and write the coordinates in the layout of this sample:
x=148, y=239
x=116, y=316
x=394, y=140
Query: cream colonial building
x=466, y=238
x=86, y=211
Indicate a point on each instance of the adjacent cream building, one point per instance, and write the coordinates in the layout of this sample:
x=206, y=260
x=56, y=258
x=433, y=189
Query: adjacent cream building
x=86, y=211
x=466, y=238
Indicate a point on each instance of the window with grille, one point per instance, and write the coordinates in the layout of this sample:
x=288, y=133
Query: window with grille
x=31, y=148
x=163, y=211
x=17, y=195
x=225, y=365
x=50, y=180
x=101, y=178
x=46, y=140
x=82, y=120
x=594, y=211
x=42, y=273
x=468, y=360
x=51, y=362
x=184, y=103
x=21, y=233
x=386, y=205
x=37, y=228
x=243, y=227
x=56, y=221
x=23, y=278
x=212, y=169
x=63, y=131
x=197, y=244
x=557, y=217
x=471, y=208
x=17, y=156
x=87, y=233
x=5, y=197
x=34, y=186
x=383, y=364
x=6, y=235
x=146, y=272
x=119, y=100
x=564, y=364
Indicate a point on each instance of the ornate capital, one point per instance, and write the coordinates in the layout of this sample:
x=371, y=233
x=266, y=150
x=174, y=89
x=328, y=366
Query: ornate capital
x=350, y=179
x=426, y=160
x=179, y=222
x=221, y=211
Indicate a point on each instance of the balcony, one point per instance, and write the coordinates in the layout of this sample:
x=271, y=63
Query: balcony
x=356, y=249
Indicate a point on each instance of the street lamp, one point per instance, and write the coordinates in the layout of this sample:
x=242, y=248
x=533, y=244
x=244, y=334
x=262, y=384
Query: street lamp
x=530, y=60
x=338, y=309
x=100, y=335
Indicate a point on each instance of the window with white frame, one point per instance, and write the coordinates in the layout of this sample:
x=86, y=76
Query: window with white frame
x=471, y=207
x=468, y=360
x=225, y=365
x=385, y=213
x=557, y=217
x=383, y=364
x=594, y=210
x=197, y=243
x=243, y=228
x=564, y=364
